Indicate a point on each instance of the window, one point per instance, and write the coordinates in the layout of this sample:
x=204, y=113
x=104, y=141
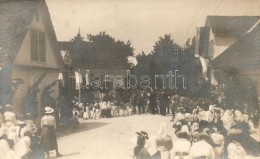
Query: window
x=38, y=46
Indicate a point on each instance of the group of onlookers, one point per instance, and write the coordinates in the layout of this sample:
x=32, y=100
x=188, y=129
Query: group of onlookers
x=20, y=138
x=212, y=133
x=102, y=109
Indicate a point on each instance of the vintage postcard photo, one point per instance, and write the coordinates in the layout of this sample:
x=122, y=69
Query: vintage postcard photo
x=130, y=79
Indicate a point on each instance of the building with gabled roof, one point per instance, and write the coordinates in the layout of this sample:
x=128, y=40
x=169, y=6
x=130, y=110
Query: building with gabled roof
x=29, y=40
x=226, y=30
x=243, y=56
x=231, y=44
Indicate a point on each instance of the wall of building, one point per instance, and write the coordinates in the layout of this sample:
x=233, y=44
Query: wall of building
x=26, y=69
x=24, y=55
x=28, y=74
x=220, y=43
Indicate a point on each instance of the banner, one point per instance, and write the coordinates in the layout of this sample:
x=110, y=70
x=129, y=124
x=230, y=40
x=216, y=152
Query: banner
x=132, y=60
x=77, y=79
x=87, y=78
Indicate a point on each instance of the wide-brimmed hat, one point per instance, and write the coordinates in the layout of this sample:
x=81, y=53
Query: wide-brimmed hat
x=211, y=107
x=48, y=110
x=183, y=134
x=143, y=133
x=181, y=109
x=20, y=122
x=203, y=136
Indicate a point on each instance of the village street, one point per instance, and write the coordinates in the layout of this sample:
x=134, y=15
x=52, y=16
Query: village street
x=112, y=138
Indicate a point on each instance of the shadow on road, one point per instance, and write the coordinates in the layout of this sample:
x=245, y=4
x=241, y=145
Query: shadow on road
x=64, y=155
x=64, y=131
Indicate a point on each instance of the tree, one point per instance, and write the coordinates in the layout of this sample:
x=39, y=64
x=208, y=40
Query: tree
x=5, y=83
x=47, y=100
x=77, y=51
x=165, y=55
x=191, y=68
x=16, y=82
x=170, y=56
x=142, y=67
x=105, y=49
x=30, y=104
x=100, y=50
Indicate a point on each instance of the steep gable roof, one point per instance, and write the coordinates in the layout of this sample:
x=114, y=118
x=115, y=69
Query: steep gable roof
x=15, y=19
x=52, y=35
x=244, y=52
x=231, y=25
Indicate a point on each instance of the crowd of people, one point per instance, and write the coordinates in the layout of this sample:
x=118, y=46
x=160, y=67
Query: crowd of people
x=202, y=133
x=21, y=139
x=120, y=104
x=203, y=129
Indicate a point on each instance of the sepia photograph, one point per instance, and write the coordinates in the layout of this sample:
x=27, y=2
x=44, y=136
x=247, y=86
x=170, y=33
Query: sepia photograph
x=129, y=79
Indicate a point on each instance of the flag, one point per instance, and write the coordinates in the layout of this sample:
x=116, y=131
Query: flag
x=204, y=65
x=87, y=77
x=132, y=60
x=77, y=79
x=60, y=78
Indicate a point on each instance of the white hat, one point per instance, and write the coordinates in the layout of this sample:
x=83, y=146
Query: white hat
x=81, y=104
x=48, y=110
x=188, y=115
x=211, y=107
x=20, y=122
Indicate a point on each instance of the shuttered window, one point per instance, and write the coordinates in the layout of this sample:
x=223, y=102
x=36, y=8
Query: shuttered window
x=34, y=45
x=38, y=46
x=42, y=46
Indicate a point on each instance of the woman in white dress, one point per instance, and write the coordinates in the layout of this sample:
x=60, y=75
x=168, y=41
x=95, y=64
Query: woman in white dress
x=48, y=135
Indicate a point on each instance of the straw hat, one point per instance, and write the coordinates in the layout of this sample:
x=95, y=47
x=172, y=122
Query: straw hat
x=48, y=110
x=203, y=136
x=20, y=122
x=143, y=133
x=184, y=132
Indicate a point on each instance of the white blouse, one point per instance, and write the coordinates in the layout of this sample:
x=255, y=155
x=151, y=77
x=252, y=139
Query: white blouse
x=48, y=120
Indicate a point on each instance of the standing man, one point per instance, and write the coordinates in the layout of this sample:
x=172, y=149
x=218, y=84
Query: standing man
x=175, y=103
x=153, y=102
x=133, y=101
x=140, y=102
x=164, y=102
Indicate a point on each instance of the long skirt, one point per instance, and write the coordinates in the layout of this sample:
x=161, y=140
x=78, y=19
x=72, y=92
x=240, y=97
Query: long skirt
x=48, y=138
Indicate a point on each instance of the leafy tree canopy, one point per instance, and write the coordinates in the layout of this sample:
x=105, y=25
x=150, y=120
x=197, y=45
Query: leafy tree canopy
x=100, y=50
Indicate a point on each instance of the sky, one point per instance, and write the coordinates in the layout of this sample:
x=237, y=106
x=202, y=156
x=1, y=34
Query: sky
x=141, y=21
